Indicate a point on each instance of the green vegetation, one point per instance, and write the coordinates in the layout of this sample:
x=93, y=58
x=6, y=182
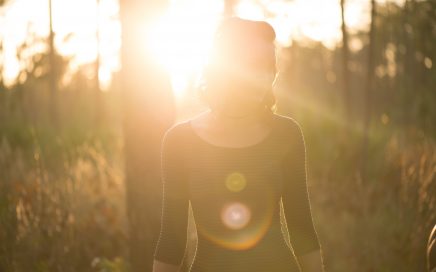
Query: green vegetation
x=62, y=191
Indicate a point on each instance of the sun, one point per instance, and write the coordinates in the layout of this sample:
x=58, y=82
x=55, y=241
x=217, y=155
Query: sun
x=180, y=40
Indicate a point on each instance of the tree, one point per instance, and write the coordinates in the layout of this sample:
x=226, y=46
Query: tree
x=53, y=70
x=368, y=92
x=229, y=7
x=99, y=105
x=345, y=70
x=148, y=107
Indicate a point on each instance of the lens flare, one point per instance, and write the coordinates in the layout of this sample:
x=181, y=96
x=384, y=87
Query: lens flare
x=243, y=222
x=235, y=215
x=236, y=182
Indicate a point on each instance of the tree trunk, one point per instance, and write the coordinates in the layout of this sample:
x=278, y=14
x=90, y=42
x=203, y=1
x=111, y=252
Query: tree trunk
x=53, y=72
x=368, y=94
x=99, y=106
x=148, y=111
x=345, y=71
x=229, y=7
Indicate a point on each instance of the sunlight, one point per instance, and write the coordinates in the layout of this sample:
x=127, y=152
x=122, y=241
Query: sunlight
x=74, y=24
x=249, y=10
x=235, y=215
x=236, y=182
x=316, y=20
x=182, y=38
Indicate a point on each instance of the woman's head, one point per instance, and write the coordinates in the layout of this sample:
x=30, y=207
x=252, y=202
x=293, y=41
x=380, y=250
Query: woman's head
x=239, y=74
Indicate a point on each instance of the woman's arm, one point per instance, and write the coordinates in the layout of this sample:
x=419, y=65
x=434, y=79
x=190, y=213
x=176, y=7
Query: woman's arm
x=159, y=266
x=296, y=204
x=311, y=261
x=171, y=244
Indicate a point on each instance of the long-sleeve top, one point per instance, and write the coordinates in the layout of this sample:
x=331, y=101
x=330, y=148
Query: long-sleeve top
x=235, y=195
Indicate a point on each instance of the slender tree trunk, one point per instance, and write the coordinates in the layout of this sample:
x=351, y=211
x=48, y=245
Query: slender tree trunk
x=229, y=7
x=406, y=117
x=345, y=130
x=148, y=111
x=368, y=93
x=99, y=106
x=345, y=71
x=53, y=72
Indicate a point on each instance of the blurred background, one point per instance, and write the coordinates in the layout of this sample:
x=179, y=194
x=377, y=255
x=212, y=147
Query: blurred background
x=88, y=87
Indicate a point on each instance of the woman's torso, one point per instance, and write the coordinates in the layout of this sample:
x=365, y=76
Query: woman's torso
x=235, y=197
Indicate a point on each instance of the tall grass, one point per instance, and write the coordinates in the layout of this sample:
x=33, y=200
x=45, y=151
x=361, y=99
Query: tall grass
x=381, y=224
x=60, y=220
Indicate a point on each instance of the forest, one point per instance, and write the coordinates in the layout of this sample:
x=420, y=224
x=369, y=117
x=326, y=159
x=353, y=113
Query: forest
x=80, y=185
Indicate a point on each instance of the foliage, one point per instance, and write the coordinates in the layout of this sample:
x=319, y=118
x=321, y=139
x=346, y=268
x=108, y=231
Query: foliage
x=62, y=200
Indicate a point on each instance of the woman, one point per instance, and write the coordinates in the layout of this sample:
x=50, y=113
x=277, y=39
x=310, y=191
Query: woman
x=235, y=164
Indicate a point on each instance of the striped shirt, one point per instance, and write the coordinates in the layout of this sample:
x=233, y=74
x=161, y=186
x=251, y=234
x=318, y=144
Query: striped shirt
x=235, y=195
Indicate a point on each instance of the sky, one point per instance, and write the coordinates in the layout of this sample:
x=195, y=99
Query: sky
x=188, y=23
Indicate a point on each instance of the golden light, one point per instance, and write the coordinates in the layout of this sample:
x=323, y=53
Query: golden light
x=235, y=182
x=243, y=222
x=317, y=20
x=249, y=10
x=181, y=39
x=74, y=23
x=235, y=215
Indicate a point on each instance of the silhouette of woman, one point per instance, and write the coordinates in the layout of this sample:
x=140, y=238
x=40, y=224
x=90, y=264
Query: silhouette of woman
x=236, y=164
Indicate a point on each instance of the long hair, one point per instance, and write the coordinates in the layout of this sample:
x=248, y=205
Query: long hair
x=232, y=48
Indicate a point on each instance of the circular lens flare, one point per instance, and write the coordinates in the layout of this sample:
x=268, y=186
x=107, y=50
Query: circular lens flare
x=235, y=215
x=242, y=220
x=235, y=182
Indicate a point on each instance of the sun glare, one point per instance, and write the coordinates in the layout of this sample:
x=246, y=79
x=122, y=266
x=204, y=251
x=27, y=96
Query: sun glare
x=181, y=39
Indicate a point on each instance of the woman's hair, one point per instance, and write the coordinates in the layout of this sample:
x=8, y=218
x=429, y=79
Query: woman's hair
x=235, y=45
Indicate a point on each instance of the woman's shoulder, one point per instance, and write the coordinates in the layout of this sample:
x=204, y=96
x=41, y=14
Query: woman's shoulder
x=287, y=124
x=184, y=127
x=177, y=132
